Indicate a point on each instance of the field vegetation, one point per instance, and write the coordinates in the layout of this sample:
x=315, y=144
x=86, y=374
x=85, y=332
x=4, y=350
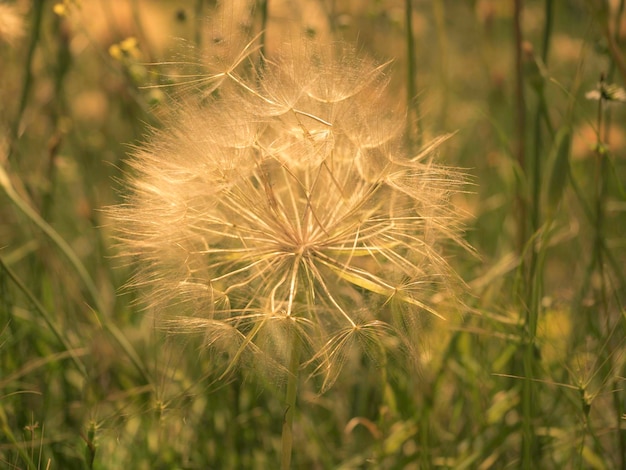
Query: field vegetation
x=319, y=234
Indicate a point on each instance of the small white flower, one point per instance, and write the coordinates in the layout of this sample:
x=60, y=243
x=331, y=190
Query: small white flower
x=607, y=92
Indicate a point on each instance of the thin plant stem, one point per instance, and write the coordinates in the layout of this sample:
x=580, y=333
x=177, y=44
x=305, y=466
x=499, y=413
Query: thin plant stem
x=48, y=318
x=292, y=392
x=614, y=48
x=618, y=401
x=90, y=447
x=80, y=269
x=520, y=124
x=414, y=129
x=30, y=213
x=439, y=14
x=600, y=177
x=425, y=420
x=534, y=284
x=529, y=458
x=540, y=112
x=604, y=254
x=264, y=17
x=6, y=430
x=28, y=73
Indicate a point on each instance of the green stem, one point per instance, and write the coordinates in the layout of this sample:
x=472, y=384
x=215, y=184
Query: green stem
x=292, y=389
x=600, y=197
x=540, y=112
x=534, y=284
x=6, y=430
x=534, y=281
x=520, y=124
x=414, y=129
x=547, y=31
x=618, y=401
x=28, y=74
x=523, y=243
x=439, y=14
x=80, y=269
x=424, y=435
x=48, y=318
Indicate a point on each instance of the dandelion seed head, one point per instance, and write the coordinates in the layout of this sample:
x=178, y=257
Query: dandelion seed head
x=287, y=204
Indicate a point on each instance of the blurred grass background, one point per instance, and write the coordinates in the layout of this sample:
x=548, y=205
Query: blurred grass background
x=530, y=374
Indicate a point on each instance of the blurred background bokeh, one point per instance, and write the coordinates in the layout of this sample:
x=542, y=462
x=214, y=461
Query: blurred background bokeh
x=529, y=372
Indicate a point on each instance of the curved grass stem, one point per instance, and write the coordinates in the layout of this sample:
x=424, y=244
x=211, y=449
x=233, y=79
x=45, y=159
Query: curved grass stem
x=48, y=318
x=80, y=269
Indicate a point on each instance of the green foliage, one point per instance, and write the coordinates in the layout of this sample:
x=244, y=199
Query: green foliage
x=529, y=372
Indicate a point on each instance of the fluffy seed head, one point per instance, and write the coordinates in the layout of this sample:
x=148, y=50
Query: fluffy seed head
x=285, y=203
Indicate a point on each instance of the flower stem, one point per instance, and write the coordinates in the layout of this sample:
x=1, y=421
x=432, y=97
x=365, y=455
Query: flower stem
x=520, y=127
x=414, y=123
x=292, y=388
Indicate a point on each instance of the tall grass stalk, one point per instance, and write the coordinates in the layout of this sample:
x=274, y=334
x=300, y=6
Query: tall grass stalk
x=414, y=121
x=526, y=243
x=439, y=14
x=617, y=63
x=520, y=127
x=99, y=311
x=536, y=77
x=601, y=251
x=48, y=318
x=10, y=436
x=602, y=265
x=35, y=32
